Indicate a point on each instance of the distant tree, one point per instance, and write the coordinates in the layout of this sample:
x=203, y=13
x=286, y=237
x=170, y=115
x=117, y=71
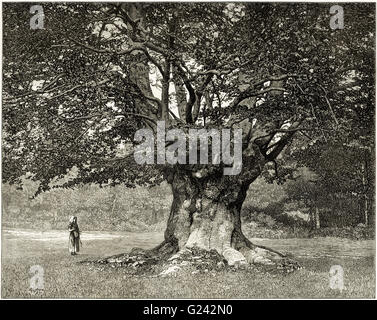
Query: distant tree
x=343, y=174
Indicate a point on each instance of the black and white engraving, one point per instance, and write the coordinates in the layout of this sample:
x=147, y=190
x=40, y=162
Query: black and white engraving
x=188, y=150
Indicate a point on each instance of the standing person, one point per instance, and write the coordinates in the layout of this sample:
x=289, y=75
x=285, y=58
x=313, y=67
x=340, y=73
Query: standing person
x=74, y=236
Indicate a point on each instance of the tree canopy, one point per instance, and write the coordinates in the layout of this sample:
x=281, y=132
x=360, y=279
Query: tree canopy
x=75, y=92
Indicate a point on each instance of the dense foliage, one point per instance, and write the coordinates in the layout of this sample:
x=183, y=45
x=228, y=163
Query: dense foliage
x=76, y=92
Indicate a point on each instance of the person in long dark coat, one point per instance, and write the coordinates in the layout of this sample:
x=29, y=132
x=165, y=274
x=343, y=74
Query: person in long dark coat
x=74, y=236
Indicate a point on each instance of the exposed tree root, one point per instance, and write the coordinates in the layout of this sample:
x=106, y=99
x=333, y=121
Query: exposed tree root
x=258, y=254
x=166, y=259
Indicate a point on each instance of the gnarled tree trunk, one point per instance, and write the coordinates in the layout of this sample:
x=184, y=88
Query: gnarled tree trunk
x=206, y=208
x=205, y=213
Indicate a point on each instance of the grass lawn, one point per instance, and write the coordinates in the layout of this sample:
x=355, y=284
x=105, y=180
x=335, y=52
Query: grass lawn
x=64, y=277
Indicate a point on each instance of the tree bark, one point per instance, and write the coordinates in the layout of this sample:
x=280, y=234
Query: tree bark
x=365, y=195
x=206, y=208
x=317, y=222
x=366, y=208
x=206, y=213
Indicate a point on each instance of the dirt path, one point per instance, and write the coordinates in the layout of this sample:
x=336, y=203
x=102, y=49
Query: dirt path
x=21, y=242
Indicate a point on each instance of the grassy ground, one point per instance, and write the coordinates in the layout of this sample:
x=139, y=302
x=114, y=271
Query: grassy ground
x=65, y=278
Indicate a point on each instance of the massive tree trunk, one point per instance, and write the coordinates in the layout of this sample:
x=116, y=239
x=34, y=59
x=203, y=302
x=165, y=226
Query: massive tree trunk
x=206, y=211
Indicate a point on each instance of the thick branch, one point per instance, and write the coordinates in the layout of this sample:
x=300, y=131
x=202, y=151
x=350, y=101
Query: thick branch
x=279, y=146
x=192, y=95
x=78, y=86
x=180, y=93
x=253, y=93
x=135, y=47
x=199, y=94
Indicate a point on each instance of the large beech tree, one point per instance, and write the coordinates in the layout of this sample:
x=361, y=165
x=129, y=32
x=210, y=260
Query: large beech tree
x=75, y=93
